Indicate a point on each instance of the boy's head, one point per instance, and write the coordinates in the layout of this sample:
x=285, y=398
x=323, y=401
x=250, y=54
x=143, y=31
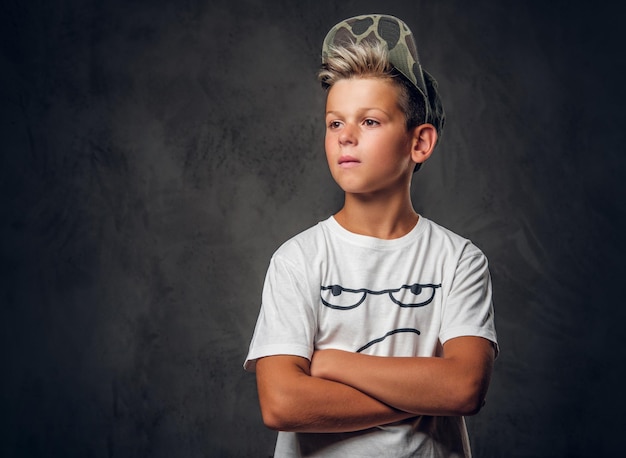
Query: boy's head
x=382, y=46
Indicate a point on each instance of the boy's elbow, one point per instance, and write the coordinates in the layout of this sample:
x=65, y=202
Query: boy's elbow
x=471, y=406
x=279, y=421
x=470, y=399
x=279, y=383
x=272, y=421
x=278, y=415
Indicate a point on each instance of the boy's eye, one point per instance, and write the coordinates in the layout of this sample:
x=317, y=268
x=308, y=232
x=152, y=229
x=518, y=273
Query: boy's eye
x=371, y=122
x=334, y=124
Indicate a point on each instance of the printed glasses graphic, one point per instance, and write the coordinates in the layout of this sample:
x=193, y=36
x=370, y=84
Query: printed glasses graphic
x=423, y=295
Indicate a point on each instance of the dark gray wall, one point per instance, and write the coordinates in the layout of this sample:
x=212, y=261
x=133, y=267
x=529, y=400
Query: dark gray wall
x=155, y=153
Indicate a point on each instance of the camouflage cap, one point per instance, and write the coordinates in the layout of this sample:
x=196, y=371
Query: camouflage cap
x=396, y=35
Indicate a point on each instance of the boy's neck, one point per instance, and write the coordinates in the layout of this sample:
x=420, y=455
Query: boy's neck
x=383, y=219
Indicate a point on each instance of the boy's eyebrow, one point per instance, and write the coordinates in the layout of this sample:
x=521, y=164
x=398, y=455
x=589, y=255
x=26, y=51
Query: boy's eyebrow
x=361, y=110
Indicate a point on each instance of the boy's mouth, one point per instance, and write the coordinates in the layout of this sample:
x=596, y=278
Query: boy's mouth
x=348, y=161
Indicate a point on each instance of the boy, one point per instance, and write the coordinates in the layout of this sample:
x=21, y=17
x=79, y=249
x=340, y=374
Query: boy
x=376, y=332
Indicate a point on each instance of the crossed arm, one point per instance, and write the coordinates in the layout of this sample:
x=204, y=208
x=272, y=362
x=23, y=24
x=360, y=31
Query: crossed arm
x=340, y=391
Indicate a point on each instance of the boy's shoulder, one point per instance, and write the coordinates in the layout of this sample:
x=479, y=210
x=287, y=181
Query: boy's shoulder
x=447, y=237
x=443, y=231
x=304, y=251
x=305, y=241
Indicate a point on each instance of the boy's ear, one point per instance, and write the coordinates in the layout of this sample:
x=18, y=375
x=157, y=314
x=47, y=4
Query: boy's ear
x=424, y=141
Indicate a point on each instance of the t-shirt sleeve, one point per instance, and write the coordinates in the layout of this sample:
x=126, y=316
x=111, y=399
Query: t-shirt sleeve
x=468, y=309
x=287, y=320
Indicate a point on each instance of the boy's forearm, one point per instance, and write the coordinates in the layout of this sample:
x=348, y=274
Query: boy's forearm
x=296, y=401
x=452, y=385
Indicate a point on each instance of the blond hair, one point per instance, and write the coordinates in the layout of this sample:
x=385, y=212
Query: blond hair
x=371, y=60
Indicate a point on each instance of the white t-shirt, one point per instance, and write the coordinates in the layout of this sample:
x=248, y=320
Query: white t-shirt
x=330, y=288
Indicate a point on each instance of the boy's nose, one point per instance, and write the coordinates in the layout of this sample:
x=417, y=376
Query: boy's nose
x=347, y=136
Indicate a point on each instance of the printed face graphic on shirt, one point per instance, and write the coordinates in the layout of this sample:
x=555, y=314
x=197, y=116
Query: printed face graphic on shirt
x=341, y=298
x=420, y=296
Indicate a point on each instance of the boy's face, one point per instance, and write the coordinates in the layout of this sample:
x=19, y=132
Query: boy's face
x=367, y=145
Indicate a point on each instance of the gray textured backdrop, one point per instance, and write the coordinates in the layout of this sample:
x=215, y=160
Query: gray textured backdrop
x=155, y=153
